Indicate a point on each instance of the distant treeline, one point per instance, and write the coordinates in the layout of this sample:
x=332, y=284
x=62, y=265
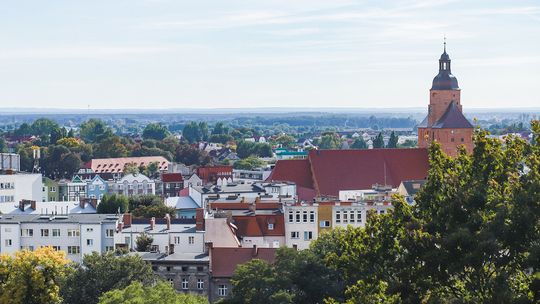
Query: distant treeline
x=346, y=121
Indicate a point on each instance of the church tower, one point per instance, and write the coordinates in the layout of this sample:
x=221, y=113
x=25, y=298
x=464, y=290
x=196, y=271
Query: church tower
x=445, y=122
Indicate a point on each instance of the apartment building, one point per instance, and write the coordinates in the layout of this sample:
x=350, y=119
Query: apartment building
x=76, y=234
x=301, y=221
x=15, y=187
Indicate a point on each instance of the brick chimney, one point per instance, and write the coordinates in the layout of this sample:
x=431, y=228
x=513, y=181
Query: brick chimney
x=127, y=219
x=33, y=205
x=82, y=202
x=152, y=223
x=93, y=202
x=168, y=221
x=199, y=219
x=119, y=227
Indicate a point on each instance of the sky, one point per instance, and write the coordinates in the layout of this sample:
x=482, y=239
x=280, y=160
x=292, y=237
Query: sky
x=183, y=54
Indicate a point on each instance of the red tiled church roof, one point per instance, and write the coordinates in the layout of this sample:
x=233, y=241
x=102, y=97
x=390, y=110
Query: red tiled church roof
x=333, y=170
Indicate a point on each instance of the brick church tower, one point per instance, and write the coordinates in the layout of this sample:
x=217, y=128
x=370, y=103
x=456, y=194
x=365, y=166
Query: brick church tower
x=445, y=122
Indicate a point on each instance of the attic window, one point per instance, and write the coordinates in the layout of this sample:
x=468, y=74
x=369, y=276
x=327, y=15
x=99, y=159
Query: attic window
x=270, y=226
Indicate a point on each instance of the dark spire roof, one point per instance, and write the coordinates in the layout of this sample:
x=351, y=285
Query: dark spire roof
x=452, y=118
x=445, y=80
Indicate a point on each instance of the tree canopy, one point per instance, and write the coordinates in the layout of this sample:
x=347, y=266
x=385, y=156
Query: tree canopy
x=161, y=293
x=471, y=237
x=155, y=131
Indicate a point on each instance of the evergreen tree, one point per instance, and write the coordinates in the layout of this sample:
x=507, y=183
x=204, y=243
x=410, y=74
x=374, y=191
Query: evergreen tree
x=378, y=142
x=359, y=143
x=392, y=142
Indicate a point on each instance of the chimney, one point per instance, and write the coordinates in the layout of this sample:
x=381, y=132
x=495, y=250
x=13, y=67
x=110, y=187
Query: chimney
x=152, y=223
x=168, y=221
x=126, y=219
x=93, y=202
x=255, y=251
x=33, y=205
x=21, y=205
x=258, y=199
x=82, y=202
x=199, y=219
x=120, y=227
x=253, y=207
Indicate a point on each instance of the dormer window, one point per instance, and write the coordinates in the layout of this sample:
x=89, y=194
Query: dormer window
x=270, y=226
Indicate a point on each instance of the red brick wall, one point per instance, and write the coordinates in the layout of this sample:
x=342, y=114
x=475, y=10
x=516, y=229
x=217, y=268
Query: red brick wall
x=439, y=101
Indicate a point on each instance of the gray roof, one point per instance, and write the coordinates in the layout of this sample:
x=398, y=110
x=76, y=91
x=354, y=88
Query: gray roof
x=410, y=186
x=177, y=256
x=70, y=218
x=181, y=202
x=453, y=118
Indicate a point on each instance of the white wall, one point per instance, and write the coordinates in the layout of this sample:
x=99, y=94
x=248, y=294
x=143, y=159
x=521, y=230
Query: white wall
x=27, y=186
x=300, y=226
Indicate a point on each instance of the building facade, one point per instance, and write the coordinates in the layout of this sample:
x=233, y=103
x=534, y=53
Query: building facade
x=76, y=234
x=20, y=186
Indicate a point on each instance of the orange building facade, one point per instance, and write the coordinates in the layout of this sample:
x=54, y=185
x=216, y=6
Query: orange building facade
x=445, y=122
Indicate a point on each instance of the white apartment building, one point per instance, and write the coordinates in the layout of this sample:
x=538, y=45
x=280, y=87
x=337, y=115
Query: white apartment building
x=169, y=235
x=76, y=234
x=353, y=214
x=20, y=186
x=134, y=184
x=300, y=225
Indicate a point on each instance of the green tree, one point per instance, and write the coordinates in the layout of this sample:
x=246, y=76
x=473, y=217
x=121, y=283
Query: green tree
x=94, y=130
x=220, y=138
x=359, y=143
x=110, y=147
x=161, y=293
x=152, y=170
x=113, y=204
x=32, y=277
x=24, y=130
x=203, y=130
x=189, y=155
x=131, y=168
x=249, y=163
x=144, y=200
x=191, y=132
x=157, y=211
x=392, y=142
x=155, y=131
x=143, y=242
x=220, y=129
x=100, y=273
x=330, y=141
x=378, y=142
x=286, y=141
x=3, y=145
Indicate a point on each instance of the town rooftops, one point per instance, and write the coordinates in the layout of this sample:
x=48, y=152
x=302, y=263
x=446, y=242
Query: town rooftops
x=413, y=186
x=157, y=257
x=259, y=225
x=172, y=177
x=48, y=208
x=116, y=165
x=223, y=261
x=57, y=219
x=181, y=202
x=326, y=172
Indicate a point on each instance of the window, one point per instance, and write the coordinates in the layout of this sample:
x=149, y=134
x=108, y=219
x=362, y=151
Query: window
x=171, y=281
x=298, y=216
x=9, y=243
x=52, y=189
x=74, y=249
x=359, y=216
x=29, y=248
x=222, y=290
x=452, y=139
x=381, y=211
x=109, y=248
x=270, y=226
x=191, y=240
x=462, y=140
x=44, y=232
x=177, y=240
x=308, y=235
x=338, y=217
x=89, y=229
x=168, y=268
x=92, y=187
x=200, y=284
x=89, y=242
x=184, y=268
x=304, y=216
x=57, y=248
x=312, y=216
x=7, y=229
x=345, y=216
x=351, y=219
x=73, y=232
x=27, y=232
x=295, y=234
x=291, y=217
x=324, y=224
x=154, y=248
x=185, y=283
x=56, y=232
x=109, y=233
x=200, y=268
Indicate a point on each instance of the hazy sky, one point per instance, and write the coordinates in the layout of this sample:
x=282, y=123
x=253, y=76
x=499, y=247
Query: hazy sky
x=265, y=53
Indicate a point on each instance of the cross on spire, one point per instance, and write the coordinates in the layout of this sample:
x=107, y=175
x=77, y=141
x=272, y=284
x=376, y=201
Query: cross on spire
x=445, y=43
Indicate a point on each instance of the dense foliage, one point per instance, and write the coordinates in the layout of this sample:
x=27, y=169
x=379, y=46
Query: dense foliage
x=161, y=293
x=100, y=273
x=472, y=237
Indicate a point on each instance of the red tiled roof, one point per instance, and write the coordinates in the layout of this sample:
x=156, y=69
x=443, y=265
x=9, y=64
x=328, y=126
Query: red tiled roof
x=294, y=170
x=223, y=261
x=184, y=192
x=257, y=225
x=335, y=170
x=172, y=177
x=100, y=165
